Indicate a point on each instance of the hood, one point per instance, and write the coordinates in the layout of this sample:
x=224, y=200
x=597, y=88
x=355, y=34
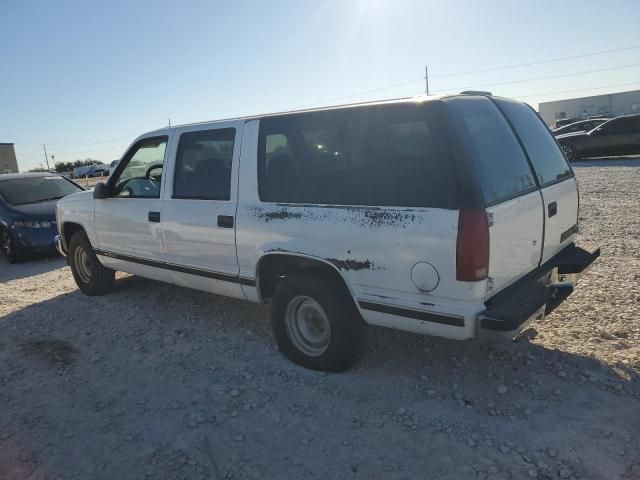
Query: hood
x=572, y=135
x=43, y=211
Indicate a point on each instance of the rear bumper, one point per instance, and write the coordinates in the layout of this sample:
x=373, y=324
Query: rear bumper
x=60, y=246
x=535, y=295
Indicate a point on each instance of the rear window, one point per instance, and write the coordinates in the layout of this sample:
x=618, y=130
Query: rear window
x=500, y=163
x=548, y=161
x=389, y=155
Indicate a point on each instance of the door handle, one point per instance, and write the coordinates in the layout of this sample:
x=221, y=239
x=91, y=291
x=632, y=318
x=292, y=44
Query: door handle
x=552, y=209
x=154, y=217
x=225, y=221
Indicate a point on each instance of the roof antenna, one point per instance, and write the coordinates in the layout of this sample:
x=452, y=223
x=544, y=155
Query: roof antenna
x=169, y=122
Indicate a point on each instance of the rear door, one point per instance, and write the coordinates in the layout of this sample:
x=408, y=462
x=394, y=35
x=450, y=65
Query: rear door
x=556, y=180
x=513, y=201
x=198, y=217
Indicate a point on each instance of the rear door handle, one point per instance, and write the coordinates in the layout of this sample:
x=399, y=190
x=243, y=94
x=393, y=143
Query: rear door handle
x=552, y=209
x=225, y=221
x=154, y=217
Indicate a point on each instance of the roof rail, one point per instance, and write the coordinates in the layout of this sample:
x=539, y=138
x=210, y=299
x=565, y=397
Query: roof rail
x=476, y=92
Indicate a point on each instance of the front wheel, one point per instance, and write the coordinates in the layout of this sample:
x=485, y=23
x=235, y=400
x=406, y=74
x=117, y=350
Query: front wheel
x=316, y=323
x=11, y=251
x=569, y=151
x=90, y=276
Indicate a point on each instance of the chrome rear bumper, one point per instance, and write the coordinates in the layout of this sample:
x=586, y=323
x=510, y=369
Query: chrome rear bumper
x=59, y=242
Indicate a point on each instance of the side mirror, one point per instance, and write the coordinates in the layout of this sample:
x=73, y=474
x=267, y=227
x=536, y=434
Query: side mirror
x=100, y=191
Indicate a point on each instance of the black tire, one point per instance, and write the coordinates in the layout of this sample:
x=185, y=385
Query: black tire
x=569, y=151
x=11, y=251
x=347, y=332
x=90, y=276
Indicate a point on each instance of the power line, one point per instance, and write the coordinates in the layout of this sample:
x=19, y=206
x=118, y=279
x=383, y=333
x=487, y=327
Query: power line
x=361, y=93
x=540, y=62
x=544, y=78
x=578, y=90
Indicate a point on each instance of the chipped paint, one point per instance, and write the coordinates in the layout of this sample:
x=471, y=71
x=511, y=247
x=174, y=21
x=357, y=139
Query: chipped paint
x=365, y=217
x=390, y=218
x=350, y=264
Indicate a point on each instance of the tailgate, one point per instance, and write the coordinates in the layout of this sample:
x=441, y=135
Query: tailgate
x=561, y=216
x=554, y=176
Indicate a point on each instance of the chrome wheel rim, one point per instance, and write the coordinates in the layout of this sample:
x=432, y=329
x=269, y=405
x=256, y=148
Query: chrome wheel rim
x=308, y=326
x=5, y=243
x=568, y=151
x=81, y=262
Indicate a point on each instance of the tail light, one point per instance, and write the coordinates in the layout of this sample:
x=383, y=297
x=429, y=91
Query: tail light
x=472, y=256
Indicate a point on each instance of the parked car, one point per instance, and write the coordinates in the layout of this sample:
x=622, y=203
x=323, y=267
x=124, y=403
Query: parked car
x=27, y=212
x=112, y=166
x=581, y=126
x=454, y=217
x=618, y=136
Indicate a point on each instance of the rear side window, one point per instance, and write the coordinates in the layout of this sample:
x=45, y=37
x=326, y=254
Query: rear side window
x=500, y=163
x=390, y=155
x=203, y=165
x=548, y=161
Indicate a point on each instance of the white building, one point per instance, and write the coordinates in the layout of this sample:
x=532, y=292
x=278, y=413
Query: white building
x=611, y=105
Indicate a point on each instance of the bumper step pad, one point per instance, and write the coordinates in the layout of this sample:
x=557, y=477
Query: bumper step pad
x=532, y=297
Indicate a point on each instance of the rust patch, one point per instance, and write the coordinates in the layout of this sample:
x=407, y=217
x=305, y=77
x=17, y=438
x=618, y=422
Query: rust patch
x=272, y=215
x=57, y=353
x=350, y=264
x=378, y=218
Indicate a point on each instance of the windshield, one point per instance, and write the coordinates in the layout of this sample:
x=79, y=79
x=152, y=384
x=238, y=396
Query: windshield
x=22, y=191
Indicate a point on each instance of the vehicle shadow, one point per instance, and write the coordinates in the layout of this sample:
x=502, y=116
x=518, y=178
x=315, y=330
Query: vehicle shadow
x=33, y=266
x=157, y=364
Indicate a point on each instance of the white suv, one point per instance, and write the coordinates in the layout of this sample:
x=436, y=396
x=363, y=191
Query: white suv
x=452, y=216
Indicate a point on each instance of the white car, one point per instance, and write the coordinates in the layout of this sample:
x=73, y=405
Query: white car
x=453, y=216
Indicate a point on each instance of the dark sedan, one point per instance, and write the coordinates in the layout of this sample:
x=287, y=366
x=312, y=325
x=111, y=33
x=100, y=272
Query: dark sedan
x=619, y=136
x=28, y=212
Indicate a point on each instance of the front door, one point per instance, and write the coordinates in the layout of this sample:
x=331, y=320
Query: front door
x=198, y=216
x=127, y=223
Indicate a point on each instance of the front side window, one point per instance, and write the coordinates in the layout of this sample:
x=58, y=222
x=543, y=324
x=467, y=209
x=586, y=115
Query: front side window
x=389, y=155
x=142, y=173
x=548, y=160
x=27, y=190
x=501, y=166
x=203, y=165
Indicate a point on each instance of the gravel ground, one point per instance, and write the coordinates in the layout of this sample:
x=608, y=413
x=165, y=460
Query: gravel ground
x=156, y=381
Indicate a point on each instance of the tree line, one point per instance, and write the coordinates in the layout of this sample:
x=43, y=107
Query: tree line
x=60, y=167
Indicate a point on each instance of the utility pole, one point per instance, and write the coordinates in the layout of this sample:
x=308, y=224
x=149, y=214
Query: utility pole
x=426, y=78
x=45, y=155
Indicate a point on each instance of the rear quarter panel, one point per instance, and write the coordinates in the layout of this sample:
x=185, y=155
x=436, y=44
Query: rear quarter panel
x=373, y=248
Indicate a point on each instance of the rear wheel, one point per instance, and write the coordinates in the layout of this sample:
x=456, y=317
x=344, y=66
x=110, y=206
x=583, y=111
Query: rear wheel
x=569, y=151
x=11, y=251
x=90, y=276
x=316, y=323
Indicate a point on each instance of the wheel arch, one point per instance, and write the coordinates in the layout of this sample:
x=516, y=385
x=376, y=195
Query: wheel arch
x=69, y=229
x=271, y=265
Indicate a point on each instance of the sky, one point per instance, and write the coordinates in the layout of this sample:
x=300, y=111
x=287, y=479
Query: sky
x=87, y=77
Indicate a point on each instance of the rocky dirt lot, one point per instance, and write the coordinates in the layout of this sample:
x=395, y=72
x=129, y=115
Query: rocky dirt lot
x=155, y=381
